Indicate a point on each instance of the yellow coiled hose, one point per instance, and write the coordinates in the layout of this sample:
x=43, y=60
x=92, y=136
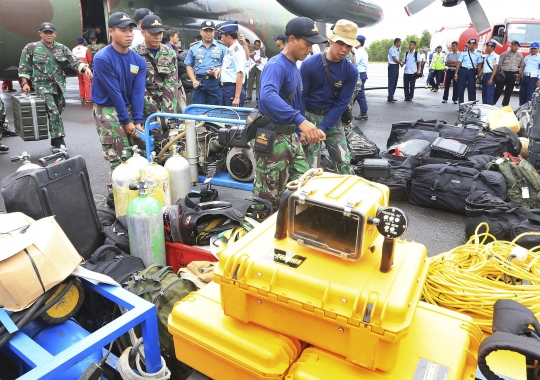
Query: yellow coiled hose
x=470, y=278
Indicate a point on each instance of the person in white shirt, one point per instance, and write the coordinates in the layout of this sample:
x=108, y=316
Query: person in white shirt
x=233, y=67
x=362, y=59
x=255, y=73
x=423, y=60
x=137, y=34
x=412, y=71
x=85, y=83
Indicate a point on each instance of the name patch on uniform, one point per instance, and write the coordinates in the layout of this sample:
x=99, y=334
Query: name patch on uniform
x=134, y=69
x=285, y=258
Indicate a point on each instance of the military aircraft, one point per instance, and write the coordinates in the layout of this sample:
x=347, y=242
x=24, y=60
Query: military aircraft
x=258, y=19
x=478, y=16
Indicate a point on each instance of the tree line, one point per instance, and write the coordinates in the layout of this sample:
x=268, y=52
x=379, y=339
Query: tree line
x=378, y=50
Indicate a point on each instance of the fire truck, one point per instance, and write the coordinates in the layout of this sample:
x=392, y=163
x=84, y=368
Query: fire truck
x=525, y=31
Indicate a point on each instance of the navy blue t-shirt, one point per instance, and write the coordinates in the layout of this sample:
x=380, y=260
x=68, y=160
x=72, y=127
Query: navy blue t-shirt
x=119, y=81
x=317, y=92
x=278, y=80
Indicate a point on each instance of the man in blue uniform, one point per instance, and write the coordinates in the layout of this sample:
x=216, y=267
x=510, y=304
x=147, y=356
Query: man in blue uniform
x=203, y=64
x=530, y=75
x=281, y=92
x=118, y=92
x=393, y=69
x=468, y=66
x=329, y=84
x=362, y=59
x=234, y=65
x=489, y=69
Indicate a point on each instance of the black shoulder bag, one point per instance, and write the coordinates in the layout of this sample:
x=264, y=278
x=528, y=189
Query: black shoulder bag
x=347, y=115
x=499, y=75
x=257, y=120
x=472, y=63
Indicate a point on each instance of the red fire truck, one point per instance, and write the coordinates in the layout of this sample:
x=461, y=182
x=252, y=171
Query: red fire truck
x=525, y=31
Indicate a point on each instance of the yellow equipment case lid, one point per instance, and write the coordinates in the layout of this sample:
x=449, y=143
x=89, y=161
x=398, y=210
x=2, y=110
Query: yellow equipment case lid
x=224, y=348
x=348, y=307
x=441, y=344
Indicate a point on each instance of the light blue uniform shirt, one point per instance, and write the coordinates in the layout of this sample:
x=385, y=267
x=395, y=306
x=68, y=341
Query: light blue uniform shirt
x=393, y=52
x=532, y=65
x=411, y=66
x=465, y=60
x=362, y=59
x=234, y=62
x=202, y=58
x=489, y=62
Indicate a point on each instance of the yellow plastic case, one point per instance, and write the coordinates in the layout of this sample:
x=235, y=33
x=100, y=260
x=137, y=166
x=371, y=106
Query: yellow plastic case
x=441, y=344
x=503, y=117
x=350, y=308
x=223, y=348
x=331, y=213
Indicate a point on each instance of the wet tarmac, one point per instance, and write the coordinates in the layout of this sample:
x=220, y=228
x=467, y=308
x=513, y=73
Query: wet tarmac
x=440, y=231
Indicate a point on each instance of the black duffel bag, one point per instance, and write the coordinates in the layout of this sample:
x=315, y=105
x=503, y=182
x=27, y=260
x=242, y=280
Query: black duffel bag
x=496, y=142
x=117, y=234
x=96, y=310
x=506, y=221
x=398, y=183
x=447, y=186
x=421, y=129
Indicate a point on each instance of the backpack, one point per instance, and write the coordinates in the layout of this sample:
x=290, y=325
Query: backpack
x=195, y=226
x=117, y=234
x=159, y=285
x=522, y=180
x=97, y=310
x=415, y=56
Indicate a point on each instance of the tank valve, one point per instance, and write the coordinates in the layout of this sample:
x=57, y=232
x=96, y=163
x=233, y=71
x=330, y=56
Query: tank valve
x=142, y=187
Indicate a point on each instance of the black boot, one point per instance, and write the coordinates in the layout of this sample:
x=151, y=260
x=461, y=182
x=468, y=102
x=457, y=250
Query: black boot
x=8, y=132
x=56, y=142
x=4, y=148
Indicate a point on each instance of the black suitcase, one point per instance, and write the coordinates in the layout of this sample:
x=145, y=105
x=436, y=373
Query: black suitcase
x=30, y=117
x=446, y=187
x=62, y=190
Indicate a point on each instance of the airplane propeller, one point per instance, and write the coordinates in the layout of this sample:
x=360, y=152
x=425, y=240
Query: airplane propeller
x=476, y=12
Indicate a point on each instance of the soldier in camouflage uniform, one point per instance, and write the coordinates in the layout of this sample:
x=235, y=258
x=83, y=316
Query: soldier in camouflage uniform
x=47, y=76
x=324, y=104
x=161, y=69
x=94, y=48
x=118, y=92
x=281, y=93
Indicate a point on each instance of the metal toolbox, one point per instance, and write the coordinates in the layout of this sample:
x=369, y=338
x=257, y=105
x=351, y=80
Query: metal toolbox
x=30, y=117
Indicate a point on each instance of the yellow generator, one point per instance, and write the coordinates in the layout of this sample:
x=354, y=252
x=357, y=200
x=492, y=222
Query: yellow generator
x=330, y=270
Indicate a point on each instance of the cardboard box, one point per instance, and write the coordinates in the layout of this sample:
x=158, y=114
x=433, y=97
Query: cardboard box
x=34, y=257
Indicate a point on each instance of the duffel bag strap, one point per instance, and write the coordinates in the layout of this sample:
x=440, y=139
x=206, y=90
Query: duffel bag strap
x=439, y=174
x=94, y=259
x=473, y=184
x=157, y=276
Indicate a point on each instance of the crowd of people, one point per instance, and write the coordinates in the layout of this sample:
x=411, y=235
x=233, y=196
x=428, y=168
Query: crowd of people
x=305, y=95
x=464, y=70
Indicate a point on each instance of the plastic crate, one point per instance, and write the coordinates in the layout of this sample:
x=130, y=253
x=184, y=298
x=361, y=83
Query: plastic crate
x=180, y=255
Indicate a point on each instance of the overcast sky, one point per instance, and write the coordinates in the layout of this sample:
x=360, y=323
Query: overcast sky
x=396, y=23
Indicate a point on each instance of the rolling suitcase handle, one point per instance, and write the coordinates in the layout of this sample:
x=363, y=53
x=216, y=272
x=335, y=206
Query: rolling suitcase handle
x=43, y=161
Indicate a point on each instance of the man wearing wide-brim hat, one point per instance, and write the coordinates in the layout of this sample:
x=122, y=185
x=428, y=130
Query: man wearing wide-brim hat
x=329, y=83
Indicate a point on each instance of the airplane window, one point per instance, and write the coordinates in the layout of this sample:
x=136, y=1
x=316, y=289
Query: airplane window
x=251, y=21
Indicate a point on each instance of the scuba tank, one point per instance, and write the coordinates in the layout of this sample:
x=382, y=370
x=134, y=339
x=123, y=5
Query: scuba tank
x=124, y=175
x=145, y=227
x=156, y=178
x=136, y=159
x=25, y=158
x=179, y=175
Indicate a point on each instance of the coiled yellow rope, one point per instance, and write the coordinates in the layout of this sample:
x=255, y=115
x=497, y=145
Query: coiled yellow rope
x=470, y=278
